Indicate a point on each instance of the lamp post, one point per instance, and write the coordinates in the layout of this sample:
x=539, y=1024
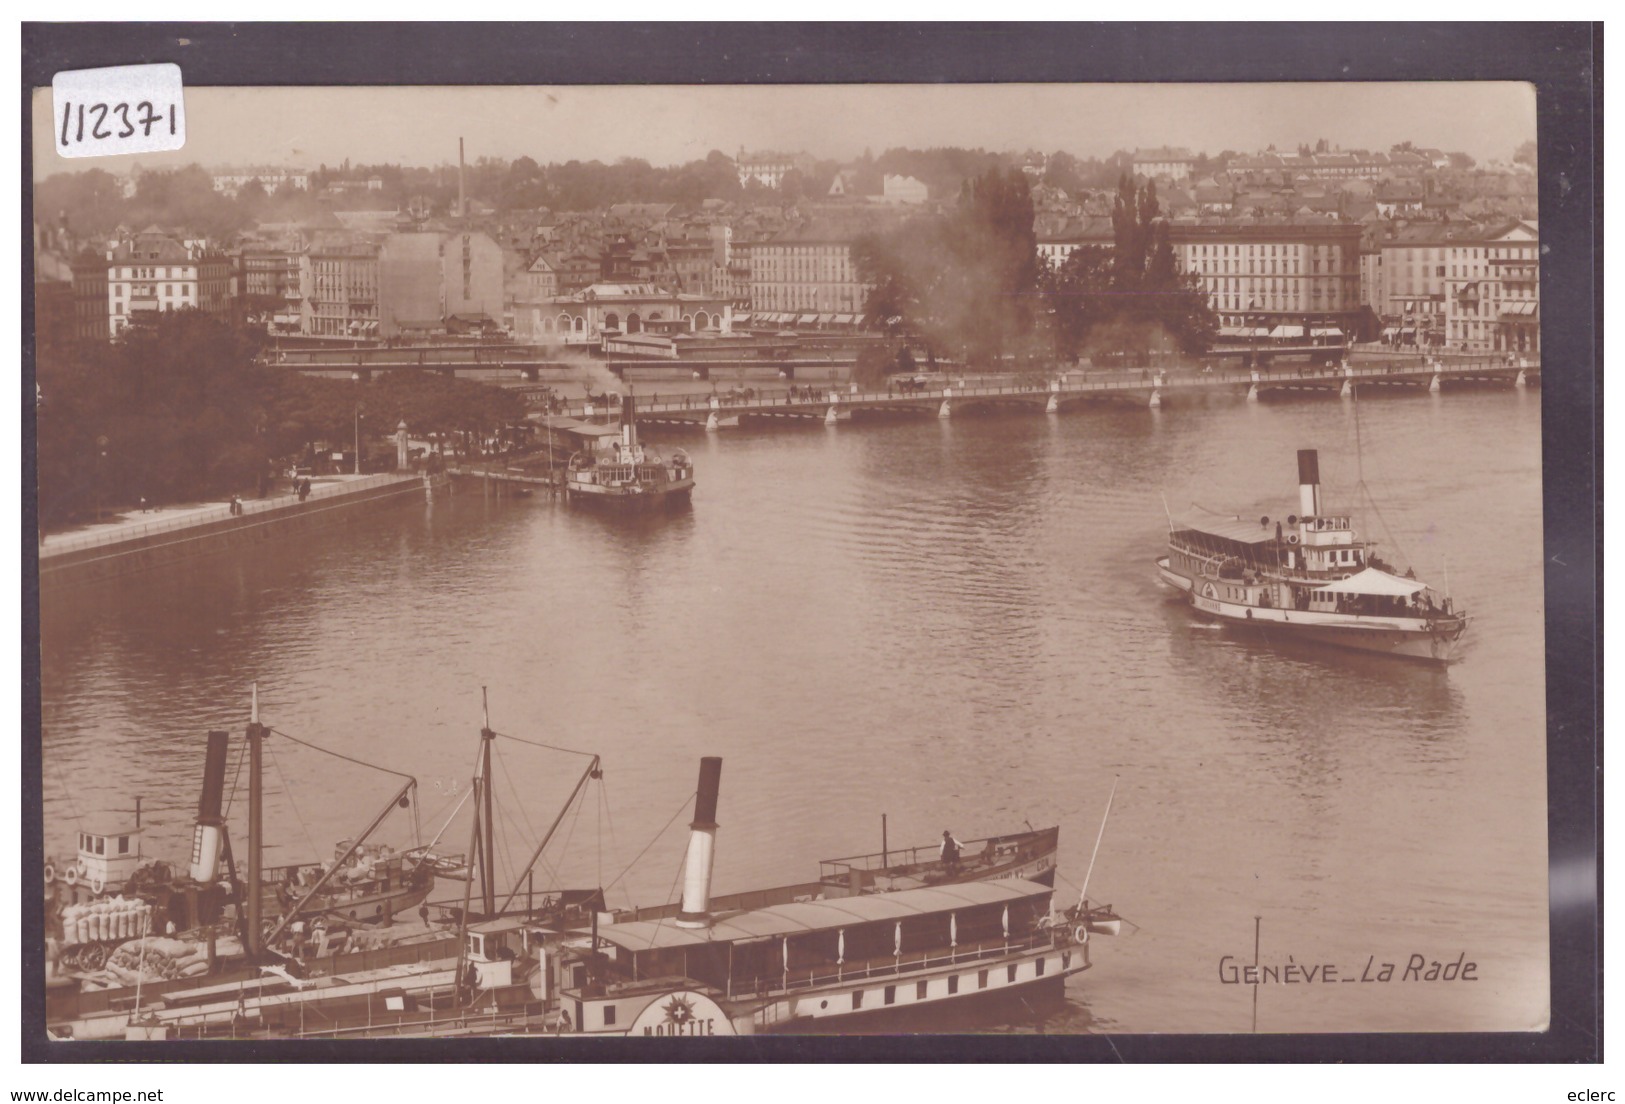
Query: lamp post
x=355, y=377
x=101, y=455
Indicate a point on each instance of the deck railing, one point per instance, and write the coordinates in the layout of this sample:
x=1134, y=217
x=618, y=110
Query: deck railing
x=884, y=966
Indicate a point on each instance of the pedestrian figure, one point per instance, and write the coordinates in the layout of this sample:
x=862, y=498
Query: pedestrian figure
x=143, y=504
x=950, y=850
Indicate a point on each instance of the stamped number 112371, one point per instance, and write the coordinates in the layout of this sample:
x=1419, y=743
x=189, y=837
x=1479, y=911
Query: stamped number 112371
x=126, y=109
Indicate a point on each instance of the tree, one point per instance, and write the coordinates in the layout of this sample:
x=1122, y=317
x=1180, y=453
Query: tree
x=1461, y=162
x=1133, y=298
x=1526, y=154
x=963, y=283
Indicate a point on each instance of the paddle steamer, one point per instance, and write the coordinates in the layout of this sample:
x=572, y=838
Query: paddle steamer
x=1309, y=576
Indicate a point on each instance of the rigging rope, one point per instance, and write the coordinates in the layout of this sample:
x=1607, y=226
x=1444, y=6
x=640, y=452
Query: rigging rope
x=242, y=754
x=287, y=791
x=686, y=802
x=466, y=795
x=549, y=747
x=340, y=755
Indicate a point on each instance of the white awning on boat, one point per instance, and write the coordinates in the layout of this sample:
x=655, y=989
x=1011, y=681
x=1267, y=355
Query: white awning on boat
x=1240, y=530
x=1372, y=581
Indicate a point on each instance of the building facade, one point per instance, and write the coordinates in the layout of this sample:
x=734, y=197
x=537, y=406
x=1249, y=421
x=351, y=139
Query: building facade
x=339, y=281
x=767, y=169
x=231, y=181
x=1164, y=161
x=1492, y=291
x=90, y=296
x=806, y=268
x=154, y=272
x=427, y=278
x=1269, y=274
x=271, y=274
x=602, y=309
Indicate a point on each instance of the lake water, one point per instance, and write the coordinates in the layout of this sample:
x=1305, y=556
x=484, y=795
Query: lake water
x=953, y=622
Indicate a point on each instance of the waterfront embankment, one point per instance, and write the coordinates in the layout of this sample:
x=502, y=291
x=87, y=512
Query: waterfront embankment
x=140, y=542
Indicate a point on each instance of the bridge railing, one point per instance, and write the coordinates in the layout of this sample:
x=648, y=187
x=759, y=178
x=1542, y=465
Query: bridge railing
x=823, y=397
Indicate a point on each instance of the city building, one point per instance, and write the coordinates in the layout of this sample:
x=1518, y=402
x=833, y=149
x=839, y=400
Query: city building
x=231, y=181
x=427, y=279
x=807, y=267
x=1176, y=163
x=90, y=299
x=1056, y=244
x=1492, y=290
x=607, y=310
x=767, y=169
x=903, y=189
x=338, y=278
x=1411, y=280
x=269, y=279
x=153, y=271
x=1268, y=274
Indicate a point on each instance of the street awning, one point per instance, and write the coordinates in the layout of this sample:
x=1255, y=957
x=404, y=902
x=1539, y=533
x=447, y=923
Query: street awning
x=1519, y=310
x=846, y=319
x=1372, y=581
x=807, y=320
x=1326, y=332
x=741, y=316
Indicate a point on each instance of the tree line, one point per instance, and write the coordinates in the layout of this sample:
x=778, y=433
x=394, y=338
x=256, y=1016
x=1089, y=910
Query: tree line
x=183, y=409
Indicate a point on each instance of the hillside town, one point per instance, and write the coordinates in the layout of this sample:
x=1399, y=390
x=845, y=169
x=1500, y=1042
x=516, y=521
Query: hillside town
x=1408, y=247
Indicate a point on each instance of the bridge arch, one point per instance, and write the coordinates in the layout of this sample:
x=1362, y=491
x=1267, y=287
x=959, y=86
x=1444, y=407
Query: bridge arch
x=702, y=320
x=612, y=321
x=634, y=324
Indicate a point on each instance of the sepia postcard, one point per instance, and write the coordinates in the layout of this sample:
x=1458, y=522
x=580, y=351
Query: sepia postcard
x=565, y=555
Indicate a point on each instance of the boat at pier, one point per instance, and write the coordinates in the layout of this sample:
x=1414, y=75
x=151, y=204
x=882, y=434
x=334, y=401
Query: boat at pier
x=622, y=474
x=1309, y=576
x=118, y=922
x=814, y=964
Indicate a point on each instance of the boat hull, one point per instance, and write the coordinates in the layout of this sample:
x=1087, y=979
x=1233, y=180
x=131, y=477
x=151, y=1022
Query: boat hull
x=1404, y=638
x=616, y=500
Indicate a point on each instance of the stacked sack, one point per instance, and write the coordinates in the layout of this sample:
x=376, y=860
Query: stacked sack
x=157, y=959
x=109, y=918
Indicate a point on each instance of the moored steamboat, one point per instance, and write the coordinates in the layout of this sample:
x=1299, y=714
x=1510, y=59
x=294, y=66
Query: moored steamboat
x=1309, y=576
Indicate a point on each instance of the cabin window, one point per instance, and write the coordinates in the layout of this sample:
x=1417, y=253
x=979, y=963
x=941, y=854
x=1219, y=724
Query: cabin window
x=857, y=999
x=891, y=994
x=1038, y=968
x=124, y=845
x=981, y=979
x=1066, y=959
x=920, y=991
x=953, y=984
x=609, y=1015
x=1011, y=971
x=101, y=846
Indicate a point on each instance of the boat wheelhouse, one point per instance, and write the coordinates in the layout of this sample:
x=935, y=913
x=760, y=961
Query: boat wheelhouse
x=1309, y=576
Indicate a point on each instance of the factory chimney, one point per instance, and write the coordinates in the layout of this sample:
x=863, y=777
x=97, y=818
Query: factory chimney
x=702, y=843
x=462, y=201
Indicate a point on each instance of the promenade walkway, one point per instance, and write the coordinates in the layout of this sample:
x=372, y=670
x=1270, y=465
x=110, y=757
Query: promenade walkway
x=136, y=525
